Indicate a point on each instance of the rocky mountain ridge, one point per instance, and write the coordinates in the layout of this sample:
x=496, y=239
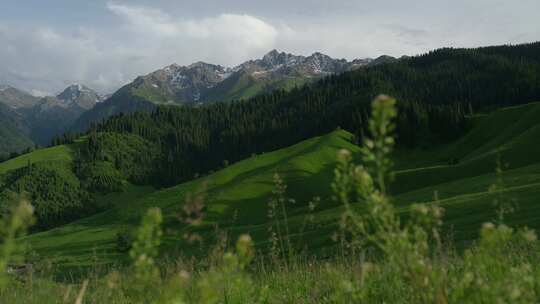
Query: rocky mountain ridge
x=204, y=82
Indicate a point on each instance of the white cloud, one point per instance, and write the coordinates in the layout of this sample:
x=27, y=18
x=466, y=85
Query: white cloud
x=136, y=40
x=143, y=19
x=45, y=59
x=225, y=39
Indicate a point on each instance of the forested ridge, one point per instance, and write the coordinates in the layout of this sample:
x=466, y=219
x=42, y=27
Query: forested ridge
x=436, y=91
x=55, y=193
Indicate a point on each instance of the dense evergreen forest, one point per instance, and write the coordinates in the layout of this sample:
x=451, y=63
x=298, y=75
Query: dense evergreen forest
x=55, y=193
x=436, y=91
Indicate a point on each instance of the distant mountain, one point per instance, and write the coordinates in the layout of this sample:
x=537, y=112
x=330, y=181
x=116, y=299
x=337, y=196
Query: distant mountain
x=283, y=64
x=123, y=101
x=203, y=82
x=53, y=116
x=277, y=70
x=179, y=84
x=78, y=95
x=27, y=120
x=383, y=59
x=15, y=98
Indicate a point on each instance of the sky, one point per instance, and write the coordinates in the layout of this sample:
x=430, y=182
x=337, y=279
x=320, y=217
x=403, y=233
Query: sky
x=104, y=44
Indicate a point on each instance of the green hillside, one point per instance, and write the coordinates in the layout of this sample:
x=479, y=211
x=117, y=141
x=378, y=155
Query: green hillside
x=50, y=156
x=237, y=197
x=242, y=189
x=244, y=86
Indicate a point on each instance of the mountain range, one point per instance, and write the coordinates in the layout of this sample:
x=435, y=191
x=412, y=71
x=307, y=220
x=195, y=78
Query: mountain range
x=27, y=120
x=202, y=82
x=35, y=120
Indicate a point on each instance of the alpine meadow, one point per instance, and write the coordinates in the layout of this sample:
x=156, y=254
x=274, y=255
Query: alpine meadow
x=406, y=172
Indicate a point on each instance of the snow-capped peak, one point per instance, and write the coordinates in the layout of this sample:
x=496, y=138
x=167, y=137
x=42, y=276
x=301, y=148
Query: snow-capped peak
x=275, y=59
x=196, y=82
x=77, y=87
x=79, y=94
x=172, y=67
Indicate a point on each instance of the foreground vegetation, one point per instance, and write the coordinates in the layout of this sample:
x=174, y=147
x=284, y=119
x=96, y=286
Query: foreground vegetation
x=379, y=254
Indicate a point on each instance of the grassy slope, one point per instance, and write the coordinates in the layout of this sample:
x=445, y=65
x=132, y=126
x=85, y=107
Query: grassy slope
x=245, y=86
x=237, y=87
x=239, y=191
x=237, y=196
x=50, y=156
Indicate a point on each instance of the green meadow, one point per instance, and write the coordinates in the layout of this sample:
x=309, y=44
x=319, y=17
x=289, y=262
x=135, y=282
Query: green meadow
x=236, y=197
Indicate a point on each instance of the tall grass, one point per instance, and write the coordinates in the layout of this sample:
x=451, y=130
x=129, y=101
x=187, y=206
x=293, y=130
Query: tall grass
x=384, y=258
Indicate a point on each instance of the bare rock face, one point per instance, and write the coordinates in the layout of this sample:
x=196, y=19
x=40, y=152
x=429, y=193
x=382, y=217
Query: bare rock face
x=204, y=82
x=80, y=96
